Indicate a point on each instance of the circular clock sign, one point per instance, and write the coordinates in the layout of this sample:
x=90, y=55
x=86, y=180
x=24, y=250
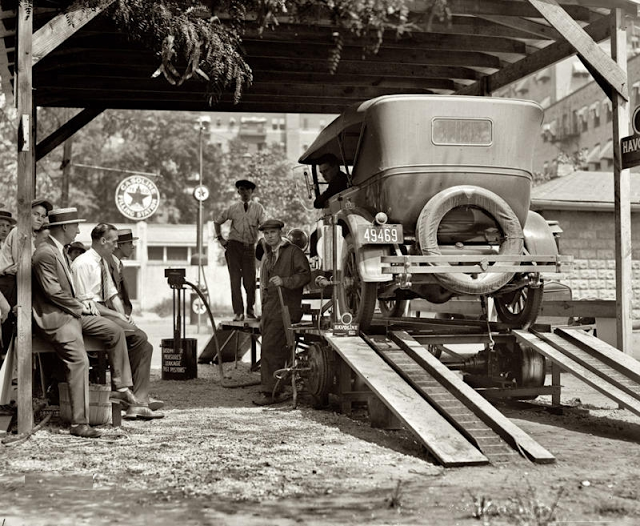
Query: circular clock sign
x=137, y=197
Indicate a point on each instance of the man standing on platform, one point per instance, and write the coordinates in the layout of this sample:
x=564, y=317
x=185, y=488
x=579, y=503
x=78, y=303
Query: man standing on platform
x=93, y=283
x=283, y=265
x=245, y=216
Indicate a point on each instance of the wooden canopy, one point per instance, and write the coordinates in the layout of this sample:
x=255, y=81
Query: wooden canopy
x=50, y=56
x=487, y=44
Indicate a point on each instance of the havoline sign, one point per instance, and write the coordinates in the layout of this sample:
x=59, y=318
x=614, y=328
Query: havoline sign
x=630, y=146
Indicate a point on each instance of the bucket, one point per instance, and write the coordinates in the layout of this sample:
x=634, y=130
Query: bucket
x=181, y=363
x=99, y=405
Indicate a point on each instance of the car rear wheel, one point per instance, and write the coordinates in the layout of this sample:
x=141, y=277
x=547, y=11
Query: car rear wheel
x=354, y=295
x=520, y=307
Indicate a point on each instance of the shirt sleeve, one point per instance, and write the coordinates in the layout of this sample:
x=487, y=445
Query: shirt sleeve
x=262, y=216
x=223, y=217
x=82, y=280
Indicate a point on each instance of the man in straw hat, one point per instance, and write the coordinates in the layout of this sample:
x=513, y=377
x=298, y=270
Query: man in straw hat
x=93, y=283
x=283, y=265
x=62, y=318
x=245, y=216
x=116, y=267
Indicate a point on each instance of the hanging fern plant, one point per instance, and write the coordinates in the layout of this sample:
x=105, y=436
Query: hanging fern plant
x=202, y=38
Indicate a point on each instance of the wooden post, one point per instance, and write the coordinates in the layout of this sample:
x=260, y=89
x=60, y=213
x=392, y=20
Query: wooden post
x=622, y=191
x=25, y=195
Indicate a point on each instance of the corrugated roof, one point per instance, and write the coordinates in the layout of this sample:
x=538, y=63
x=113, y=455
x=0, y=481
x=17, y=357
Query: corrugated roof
x=579, y=189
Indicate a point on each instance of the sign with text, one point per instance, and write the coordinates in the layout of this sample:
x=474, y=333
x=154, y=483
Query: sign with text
x=179, y=363
x=137, y=197
x=345, y=327
x=630, y=146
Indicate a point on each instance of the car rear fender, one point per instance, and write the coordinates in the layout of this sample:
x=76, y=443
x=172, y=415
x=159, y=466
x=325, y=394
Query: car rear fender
x=538, y=236
x=367, y=256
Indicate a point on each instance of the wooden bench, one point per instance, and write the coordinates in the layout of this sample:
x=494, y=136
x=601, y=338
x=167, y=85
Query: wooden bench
x=93, y=347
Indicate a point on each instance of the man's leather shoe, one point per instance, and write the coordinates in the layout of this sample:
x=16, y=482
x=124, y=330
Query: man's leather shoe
x=141, y=412
x=251, y=316
x=124, y=398
x=266, y=399
x=84, y=431
x=238, y=317
x=155, y=404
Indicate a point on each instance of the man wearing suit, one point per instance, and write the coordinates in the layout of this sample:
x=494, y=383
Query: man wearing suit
x=123, y=250
x=62, y=319
x=94, y=284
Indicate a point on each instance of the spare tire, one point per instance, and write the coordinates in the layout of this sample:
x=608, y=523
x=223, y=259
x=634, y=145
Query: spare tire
x=483, y=199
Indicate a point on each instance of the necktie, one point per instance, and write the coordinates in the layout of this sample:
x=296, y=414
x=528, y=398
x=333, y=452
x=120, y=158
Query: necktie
x=121, y=272
x=104, y=280
x=246, y=207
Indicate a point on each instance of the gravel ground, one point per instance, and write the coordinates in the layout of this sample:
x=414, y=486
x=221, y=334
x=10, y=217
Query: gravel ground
x=218, y=459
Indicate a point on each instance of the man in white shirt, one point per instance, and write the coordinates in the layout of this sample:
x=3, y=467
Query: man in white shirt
x=93, y=283
x=245, y=216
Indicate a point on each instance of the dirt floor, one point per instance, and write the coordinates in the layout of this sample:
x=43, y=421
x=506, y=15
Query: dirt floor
x=218, y=459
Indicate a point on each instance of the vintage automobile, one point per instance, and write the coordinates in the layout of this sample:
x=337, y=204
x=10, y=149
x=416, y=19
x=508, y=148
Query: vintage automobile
x=437, y=205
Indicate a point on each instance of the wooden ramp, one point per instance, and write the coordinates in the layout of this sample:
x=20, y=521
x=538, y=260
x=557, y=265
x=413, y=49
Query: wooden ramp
x=440, y=438
x=598, y=364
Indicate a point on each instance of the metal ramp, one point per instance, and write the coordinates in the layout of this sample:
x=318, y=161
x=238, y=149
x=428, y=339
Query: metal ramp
x=598, y=364
x=456, y=424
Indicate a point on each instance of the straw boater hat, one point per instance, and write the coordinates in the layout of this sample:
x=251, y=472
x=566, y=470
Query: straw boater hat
x=7, y=216
x=125, y=234
x=64, y=216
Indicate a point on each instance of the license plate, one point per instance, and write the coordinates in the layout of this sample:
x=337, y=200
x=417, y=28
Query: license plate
x=380, y=234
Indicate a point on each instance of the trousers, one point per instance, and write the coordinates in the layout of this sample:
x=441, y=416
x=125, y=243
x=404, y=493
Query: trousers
x=241, y=262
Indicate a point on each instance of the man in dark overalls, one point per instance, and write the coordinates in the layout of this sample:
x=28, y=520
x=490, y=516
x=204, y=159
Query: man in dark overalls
x=283, y=265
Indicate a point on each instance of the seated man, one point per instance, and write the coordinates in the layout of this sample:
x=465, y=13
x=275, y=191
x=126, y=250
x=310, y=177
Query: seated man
x=62, y=320
x=116, y=267
x=93, y=283
x=338, y=181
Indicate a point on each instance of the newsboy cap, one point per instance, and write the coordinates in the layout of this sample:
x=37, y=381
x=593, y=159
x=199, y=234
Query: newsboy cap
x=271, y=223
x=125, y=234
x=64, y=216
x=244, y=183
x=42, y=202
x=7, y=216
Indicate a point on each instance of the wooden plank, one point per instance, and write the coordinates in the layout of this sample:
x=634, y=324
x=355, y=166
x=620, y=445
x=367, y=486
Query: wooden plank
x=437, y=435
x=580, y=40
x=511, y=433
x=5, y=74
x=571, y=366
x=534, y=29
x=26, y=185
x=605, y=352
x=65, y=131
x=61, y=27
x=579, y=308
x=621, y=191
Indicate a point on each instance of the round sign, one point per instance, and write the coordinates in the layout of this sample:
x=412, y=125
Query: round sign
x=635, y=121
x=198, y=306
x=137, y=197
x=346, y=318
x=201, y=193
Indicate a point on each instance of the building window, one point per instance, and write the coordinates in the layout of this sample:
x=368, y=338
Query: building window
x=232, y=122
x=218, y=122
x=281, y=124
x=177, y=254
x=155, y=253
x=274, y=124
x=305, y=124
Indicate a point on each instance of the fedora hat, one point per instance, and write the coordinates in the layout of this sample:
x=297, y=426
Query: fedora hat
x=42, y=202
x=64, y=216
x=76, y=245
x=244, y=183
x=271, y=223
x=125, y=234
x=7, y=216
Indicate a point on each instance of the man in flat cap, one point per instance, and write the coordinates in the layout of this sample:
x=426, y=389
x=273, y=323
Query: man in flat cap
x=283, y=265
x=62, y=319
x=7, y=222
x=9, y=257
x=116, y=267
x=245, y=216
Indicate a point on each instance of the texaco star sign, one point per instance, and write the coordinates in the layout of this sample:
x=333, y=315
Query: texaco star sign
x=137, y=197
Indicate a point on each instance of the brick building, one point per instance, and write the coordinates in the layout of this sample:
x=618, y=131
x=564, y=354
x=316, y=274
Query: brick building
x=582, y=203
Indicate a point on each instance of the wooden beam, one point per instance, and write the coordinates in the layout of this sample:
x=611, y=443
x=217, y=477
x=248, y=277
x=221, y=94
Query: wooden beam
x=583, y=44
x=61, y=27
x=508, y=9
x=621, y=191
x=534, y=29
x=5, y=75
x=66, y=130
x=25, y=195
x=598, y=31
